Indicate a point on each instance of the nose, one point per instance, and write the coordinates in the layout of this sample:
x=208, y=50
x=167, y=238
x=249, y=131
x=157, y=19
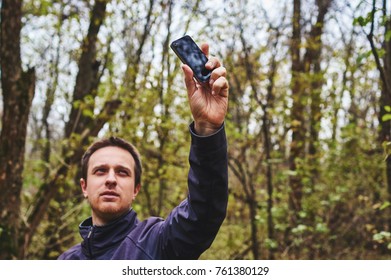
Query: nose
x=111, y=180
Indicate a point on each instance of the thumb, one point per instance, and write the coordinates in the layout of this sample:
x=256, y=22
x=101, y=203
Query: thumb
x=189, y=81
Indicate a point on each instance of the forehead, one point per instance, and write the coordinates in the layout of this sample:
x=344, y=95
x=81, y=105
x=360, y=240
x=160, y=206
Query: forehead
x=112, y=156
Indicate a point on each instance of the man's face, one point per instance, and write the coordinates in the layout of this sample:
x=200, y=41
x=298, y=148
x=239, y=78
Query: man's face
x=110, y=183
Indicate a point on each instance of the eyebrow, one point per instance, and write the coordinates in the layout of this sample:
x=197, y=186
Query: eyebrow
x=116, y=167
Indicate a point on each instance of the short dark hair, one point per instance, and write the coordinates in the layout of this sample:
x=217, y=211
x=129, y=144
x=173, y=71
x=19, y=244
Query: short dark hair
x=112, y=142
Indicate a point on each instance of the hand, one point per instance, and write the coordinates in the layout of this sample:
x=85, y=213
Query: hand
x=208, y=101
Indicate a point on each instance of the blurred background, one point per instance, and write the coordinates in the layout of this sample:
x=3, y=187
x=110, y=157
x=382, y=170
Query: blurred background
x=308, y=124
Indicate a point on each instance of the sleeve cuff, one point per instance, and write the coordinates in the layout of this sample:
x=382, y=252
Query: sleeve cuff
x=209, y=142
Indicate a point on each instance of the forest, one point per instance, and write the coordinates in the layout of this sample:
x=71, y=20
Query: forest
x=308, y=124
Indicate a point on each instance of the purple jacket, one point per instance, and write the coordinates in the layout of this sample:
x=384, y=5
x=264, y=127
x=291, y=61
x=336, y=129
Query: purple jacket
x=188, y=230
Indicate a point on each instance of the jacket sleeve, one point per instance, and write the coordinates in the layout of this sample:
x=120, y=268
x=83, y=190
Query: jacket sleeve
x=192, y=226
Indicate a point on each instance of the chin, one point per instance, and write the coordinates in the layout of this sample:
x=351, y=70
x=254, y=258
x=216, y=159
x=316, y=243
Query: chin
x=112, y=210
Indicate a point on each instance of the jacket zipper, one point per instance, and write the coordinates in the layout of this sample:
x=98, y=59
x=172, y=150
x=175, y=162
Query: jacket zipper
x=90, y=241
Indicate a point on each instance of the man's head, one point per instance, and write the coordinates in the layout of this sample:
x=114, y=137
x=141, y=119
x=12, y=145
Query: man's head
x=111, y=178
x=112, y=142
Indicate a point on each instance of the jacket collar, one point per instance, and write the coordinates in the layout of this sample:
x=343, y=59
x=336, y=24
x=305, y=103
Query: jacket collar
x=98, y=240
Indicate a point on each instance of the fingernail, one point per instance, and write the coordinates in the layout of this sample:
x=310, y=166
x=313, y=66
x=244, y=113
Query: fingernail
x=211, y=81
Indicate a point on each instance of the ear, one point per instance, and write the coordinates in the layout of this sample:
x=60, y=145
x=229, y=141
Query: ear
x=136, y=190
x=83, y=185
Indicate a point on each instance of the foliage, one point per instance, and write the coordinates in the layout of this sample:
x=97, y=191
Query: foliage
x=345, y=203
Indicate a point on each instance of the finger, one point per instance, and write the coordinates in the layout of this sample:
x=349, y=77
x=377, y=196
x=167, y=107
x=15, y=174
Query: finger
x=220, y=87
x=212, y=63
x=217, y=73
x=189, y=81
x=205, y=49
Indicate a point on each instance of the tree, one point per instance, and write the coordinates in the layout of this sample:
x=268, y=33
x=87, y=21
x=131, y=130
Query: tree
x=382, y=56
x=311, y=118
x=18, y=92
x=81, y=125
x=305, y=86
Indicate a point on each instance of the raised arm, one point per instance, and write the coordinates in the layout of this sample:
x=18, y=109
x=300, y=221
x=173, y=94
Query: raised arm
x=192, y=226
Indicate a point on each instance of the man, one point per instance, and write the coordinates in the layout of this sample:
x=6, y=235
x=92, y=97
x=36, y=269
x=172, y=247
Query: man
x=111, y=171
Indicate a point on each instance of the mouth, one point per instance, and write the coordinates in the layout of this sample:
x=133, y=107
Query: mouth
x=109, y=195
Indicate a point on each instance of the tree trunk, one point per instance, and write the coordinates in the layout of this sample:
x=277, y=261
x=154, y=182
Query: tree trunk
x=304, y=69
x=297, y=113
x=384, y=68
x=87, y=82
x=87, y=79
x=268, y=149
x=312, y=60
x=253, y=209
x=385, y=100
x=18, y=92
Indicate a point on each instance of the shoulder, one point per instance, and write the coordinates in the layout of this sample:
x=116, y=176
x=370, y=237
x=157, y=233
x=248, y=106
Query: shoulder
x=142, y=242
x=147, y=227
x=74, y=253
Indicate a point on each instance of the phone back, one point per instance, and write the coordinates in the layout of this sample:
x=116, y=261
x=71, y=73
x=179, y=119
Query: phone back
x=189, y=53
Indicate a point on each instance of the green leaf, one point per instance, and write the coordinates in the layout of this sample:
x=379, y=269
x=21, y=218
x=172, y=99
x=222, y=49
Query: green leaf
x=299, y=229
x=388, y=35
x=359, y=21
x=77, y=104
x=302, y=214
x=379, y=237
x=271, y=243
x=386, y=117
x=387, y=108
x=88, y=113
x=363, y=56
x=363, y=21
x=385, y=205
x=321, y=227
x=290, y=173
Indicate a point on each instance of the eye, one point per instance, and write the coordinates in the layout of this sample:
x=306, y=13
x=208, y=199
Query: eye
x=100, y=171
x=123, y=172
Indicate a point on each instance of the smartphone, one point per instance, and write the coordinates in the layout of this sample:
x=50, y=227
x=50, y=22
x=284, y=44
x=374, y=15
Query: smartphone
x=189, y=53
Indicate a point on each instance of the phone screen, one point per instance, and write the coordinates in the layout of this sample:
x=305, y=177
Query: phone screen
x=189, y=53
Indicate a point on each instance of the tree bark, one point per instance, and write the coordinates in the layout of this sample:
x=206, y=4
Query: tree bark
x=312, y=60
x=18, y=92
x=385, y=99
x=87, y=82
x=384, y=67
x=297, y=122
x=304, y=69
x=87, y=79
